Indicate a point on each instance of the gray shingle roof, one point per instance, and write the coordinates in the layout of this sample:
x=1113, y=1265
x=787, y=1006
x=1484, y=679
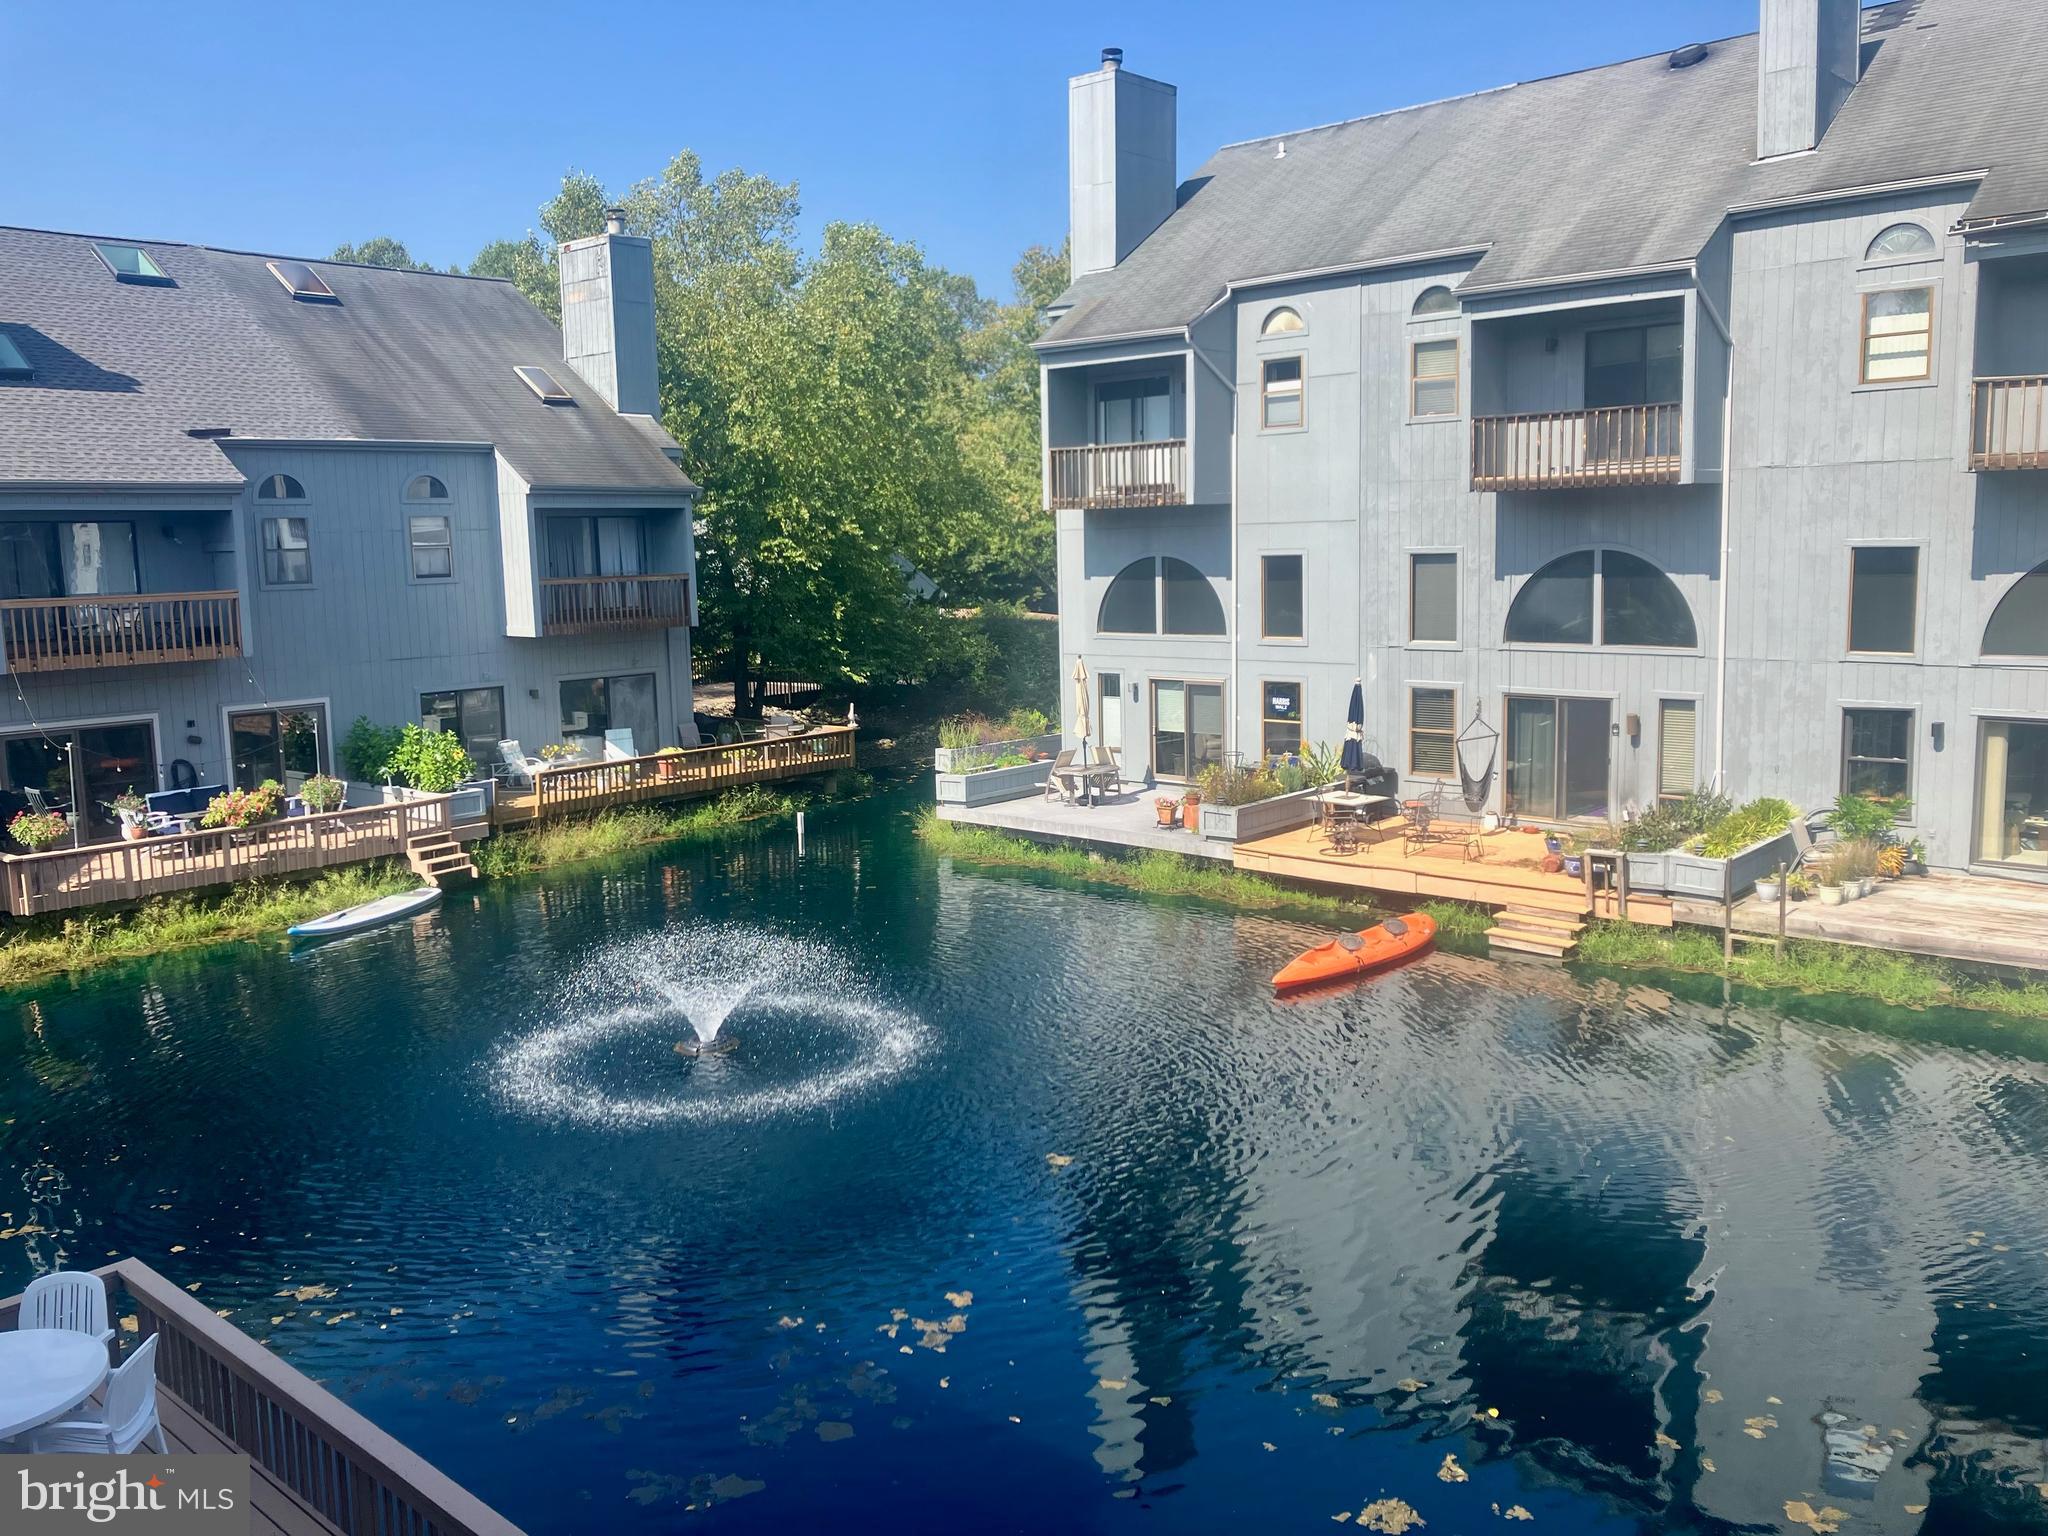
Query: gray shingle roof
x=123, y=370
x=1626, y=167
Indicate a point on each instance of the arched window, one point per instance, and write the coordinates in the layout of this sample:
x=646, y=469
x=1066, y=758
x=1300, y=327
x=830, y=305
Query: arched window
x=1131, y=605
x=1192, y=607
x=1898, y=241
x=1435, y=301
x=426, y=488
x=1634, y=603
x=1145, y=588
x=280, y=488
x=1283, y=322
x=2019, y=624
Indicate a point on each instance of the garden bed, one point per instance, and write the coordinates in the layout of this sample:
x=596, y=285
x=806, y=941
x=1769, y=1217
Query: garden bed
x=1260, y=818
x=988, y=786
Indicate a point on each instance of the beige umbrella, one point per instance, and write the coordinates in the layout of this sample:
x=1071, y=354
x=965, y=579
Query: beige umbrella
x=1081, y=706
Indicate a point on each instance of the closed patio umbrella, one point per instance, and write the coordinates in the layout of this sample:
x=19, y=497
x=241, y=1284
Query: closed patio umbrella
x=1353, y=759
x=1081, y=707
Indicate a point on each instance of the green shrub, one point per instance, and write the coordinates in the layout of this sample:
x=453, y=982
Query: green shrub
x=1236, y=784
x=1867, y=816
x=368, y=747
x=431, y=761
x=1673, y=823
x=1751, y=824
x=1024, y=721
x=322, y=793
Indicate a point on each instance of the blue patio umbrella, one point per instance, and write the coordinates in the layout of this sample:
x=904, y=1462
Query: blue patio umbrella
x=1353, y=758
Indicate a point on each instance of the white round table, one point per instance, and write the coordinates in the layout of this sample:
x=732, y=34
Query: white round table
x=44, y=1374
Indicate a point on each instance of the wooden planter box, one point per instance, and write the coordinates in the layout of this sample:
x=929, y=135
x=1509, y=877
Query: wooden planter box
x=989, y=785
x=1261, y=818
x=1678, y=873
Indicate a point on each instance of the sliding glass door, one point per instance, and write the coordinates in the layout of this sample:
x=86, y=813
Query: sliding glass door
x=78, y=770
x=1560, y=758
x=1187, y=727
x=2012, y=794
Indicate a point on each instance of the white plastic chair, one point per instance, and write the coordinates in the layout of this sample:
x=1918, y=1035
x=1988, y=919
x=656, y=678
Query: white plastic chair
x=73, y=1299
x=127, y=1421
x=517, y=766
x=618, y=744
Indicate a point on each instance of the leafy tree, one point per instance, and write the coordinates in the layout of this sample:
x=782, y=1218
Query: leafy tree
x=383, y=251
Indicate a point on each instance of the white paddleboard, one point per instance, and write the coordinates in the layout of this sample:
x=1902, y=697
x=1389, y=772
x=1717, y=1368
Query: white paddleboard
x=385, y=909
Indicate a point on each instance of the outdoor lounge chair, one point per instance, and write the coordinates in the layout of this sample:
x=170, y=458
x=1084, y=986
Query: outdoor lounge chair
x=1115, y=786
x=515, y=766
x=1055, y=787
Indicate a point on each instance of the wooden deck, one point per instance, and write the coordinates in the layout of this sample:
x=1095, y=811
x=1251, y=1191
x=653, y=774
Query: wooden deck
x=317, y=1467
x=123, y=871
x=1492, y=869
x=696, y=771
x=1974, y=918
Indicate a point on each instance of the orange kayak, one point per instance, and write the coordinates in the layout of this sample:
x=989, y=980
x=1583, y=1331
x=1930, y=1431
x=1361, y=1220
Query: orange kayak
x=1356, y=954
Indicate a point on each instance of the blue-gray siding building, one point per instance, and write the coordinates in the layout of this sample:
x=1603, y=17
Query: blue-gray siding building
x=244, y=500
x=1684, y=420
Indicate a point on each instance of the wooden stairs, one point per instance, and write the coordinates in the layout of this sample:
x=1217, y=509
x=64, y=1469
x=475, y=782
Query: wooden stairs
x=1534, y=931
x=437, y=858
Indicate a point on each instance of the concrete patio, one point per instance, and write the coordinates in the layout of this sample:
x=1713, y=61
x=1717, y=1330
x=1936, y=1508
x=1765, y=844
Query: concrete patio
x=1124, y=820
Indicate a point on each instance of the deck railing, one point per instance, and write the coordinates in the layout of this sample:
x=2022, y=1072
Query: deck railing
x=693, y=771
x=1619, y=445
x=2009, y=423
x=345, y=1469
x=127, y=871
x=1121, y=475
x=581, y=605
x=57, y=634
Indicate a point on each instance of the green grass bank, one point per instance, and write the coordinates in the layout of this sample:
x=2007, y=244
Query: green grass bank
x=1806, y=966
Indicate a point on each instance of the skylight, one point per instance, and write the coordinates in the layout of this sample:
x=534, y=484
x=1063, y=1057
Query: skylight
x=132, y=264
x=12, y=364
x=301, y=281
x=542, y=383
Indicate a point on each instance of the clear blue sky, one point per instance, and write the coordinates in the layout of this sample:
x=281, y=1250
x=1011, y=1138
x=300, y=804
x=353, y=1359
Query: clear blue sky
x=289, y=128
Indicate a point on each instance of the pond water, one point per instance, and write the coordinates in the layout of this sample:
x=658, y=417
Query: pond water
x=1015, y=1206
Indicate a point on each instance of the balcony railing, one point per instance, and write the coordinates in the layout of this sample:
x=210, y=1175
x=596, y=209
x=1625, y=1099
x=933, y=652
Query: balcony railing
x=582, y=605
x=2009, y=423
x=1617, y=445
x=1121, y=475
x=59, y=634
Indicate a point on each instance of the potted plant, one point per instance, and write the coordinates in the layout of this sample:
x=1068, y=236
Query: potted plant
x=1916, y=858
x=1191, y=810
x=240, y=808
x=1799, y=885
x=37, y=830
x=1769, y=887
x=323, y=792
x=671, y=762
x=131, y=808
x=1167, y=808
x=1830, y=886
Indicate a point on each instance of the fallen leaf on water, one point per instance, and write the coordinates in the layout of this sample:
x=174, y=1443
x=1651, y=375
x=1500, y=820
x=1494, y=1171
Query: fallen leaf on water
x=1666, y=1441
x=1160, y=1402
x=1111, y=1384
x=1712, y=1394
x=177, y=1247
x=1328, y=1400
x=26, y=1229
x=1341, y=1516
x=945, y=1381
x=789, y=1322
x=1390, y=1516
x=1269, y=1445
x=194, y=1285
x=1775, y=1402
x=1493, y=1413
x=1410, y=1384
x=888, y=1328
x=1015, y=1420
x=1823, y=1520
x=309, y=1293
x=1916, y=1509
x=1450, y=1471
x=1754, y=1428
x=959, y=1298
x=1058, y=1159
x=897, y=1314
x=1513, y=1512
x=905, y=1349
x=1707, y=1464
x=835, y=1431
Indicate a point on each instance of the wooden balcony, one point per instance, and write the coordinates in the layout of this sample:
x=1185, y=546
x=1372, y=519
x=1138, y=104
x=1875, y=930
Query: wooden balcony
x=585, y=605
x=62, y=634
x=317, y=1467
x=63, y=878
x=1120, y=475
x=1556, y=450
x=2009, y=423
x=692, y=772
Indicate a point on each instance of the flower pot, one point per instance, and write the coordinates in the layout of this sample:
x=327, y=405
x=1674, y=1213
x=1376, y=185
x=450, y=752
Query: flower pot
x=1168, y=812
x=1574, y=864
x=133, y=831
x=1831, y=895
x=1191, y=812
x=1914, y=867
x=1767, y=890
x=1553, y=845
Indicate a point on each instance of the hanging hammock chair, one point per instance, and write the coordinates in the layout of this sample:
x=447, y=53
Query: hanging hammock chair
x=1477, y=787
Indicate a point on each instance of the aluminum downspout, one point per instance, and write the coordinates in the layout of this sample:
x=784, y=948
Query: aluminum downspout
x=1236, y=576
x=1721, y=623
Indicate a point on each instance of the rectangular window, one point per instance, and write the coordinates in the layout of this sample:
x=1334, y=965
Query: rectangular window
x=1280, y=597
x=1432, y=731
x=1134, y=411
x=287, y=553
x=1877, y=747
x=1280, y=392
x=477, y=715
x=1280, y=717
x=1433, y=372
x=1677, y=748
x=1884, y=583
x=433, y=548
x=1898, y=335
x=1433, y=597
x=619, y=710
x=288, y=745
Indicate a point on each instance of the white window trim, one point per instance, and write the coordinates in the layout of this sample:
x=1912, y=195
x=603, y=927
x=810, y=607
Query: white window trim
x=330, y=745
x=1279, y=336
x=1300, y=392
x=1699, y=713
x=1408, y=691
x=1936, y=314
x=1422, y=332
x=413, y=576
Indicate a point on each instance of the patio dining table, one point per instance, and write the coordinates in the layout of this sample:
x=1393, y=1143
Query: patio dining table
x=1086, y=783
x=44, y=1374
